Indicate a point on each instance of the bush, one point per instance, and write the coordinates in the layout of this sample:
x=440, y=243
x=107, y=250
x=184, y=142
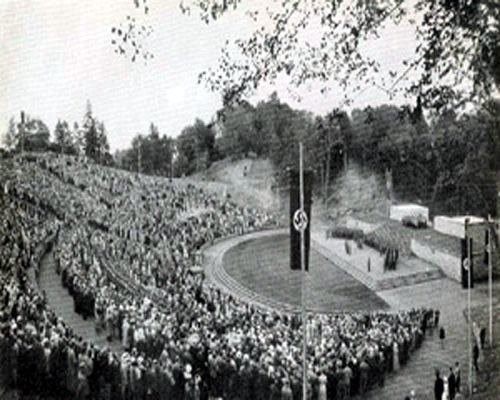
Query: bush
x=371, y=240
x=415, y=221
x=343, y=232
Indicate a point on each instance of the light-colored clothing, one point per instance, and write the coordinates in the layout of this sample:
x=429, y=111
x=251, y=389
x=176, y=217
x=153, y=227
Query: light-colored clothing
x=446, y=391
x=395, y=356
x=322, y=395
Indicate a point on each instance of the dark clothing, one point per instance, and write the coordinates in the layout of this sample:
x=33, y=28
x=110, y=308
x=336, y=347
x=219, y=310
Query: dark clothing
x=436, y=318
x=438, y=388
x=475, y=352
x=457, y=383
x=482, y=337
x=452, y=385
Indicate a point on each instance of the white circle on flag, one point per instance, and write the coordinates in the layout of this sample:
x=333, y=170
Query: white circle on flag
x=300, y=220
x=466, y=264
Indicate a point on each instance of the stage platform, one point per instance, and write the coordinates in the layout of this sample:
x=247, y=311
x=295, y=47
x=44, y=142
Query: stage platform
x=409, y=270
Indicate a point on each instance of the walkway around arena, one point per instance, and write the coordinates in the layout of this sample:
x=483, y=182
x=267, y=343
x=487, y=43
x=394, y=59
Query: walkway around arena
x=60, y=301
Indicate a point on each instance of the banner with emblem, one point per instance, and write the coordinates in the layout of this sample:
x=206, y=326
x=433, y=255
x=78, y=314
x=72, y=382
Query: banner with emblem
x=300, y=220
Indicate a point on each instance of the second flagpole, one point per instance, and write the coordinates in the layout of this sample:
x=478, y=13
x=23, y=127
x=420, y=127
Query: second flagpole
x=302, y=280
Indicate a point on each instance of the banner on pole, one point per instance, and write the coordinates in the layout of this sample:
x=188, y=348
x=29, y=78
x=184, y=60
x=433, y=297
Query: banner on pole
x=465, y=264
x=487, y=239
x=300, y=220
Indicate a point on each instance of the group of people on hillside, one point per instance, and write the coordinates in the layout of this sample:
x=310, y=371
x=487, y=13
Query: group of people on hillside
x=125, y=249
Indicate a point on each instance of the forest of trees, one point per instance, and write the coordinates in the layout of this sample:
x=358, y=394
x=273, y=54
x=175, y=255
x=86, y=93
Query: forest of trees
x=32, y=134
x=450, y=163
x=149, y=154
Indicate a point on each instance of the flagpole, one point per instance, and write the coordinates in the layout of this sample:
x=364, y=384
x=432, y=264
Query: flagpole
x=490, y=278
x=469, y=335
x=302, y=281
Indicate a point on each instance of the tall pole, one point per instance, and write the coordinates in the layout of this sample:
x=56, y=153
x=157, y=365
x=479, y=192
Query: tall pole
x=171, y=166
x=469, y=329
x=302, y=281
x=139, y=156
x=490, y=278
x=22, y=132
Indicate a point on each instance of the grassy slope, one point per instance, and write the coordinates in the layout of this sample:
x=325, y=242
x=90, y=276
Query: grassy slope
x=252, y=190
x=352, y=192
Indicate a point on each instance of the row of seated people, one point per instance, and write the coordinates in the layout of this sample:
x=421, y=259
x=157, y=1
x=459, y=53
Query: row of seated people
x=189, y=340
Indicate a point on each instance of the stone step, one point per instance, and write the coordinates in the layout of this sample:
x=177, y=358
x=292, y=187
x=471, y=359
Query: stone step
x=408, y=280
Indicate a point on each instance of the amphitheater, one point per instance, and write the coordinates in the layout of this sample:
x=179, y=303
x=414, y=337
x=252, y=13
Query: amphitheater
x=65, y=206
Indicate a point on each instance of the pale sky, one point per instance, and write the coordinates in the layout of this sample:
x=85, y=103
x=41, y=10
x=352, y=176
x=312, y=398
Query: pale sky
x=56, y=55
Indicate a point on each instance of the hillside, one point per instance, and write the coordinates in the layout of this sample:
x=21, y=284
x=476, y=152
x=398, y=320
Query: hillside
x=254, y=189
x=353, y=191
x=357, y=191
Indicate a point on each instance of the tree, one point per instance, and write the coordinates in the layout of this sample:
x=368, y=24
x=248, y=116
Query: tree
x=63, y=137
x=36, y=134
x=94, y=137
x=79, y=138
x=458, y=42
x=239, y=131
x=92, y=140
x=195, y=147
x=149, y=154
x=102, y=144
x=332, y=136
x=10, y=137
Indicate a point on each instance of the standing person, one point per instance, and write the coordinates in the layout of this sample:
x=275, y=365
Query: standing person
x=442, y=336
x=364, y=371
x=347, y=379
x=482, y=337
x=341, y=387
x=438, y=387
x=286, y=390
x=72, y=371
x=446, y=388
x=457, y=377
x=83, y=389
x=322, y=395
x=452, y=384
x=395, y=356
x=476, y=331
x=475, y=352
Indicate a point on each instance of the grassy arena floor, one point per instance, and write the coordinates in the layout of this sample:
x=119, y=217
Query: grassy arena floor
x=262, y=265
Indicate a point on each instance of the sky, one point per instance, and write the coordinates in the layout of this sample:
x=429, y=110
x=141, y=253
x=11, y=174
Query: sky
x=57, y=55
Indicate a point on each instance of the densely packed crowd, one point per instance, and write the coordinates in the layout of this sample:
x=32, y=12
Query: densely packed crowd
x=125, y=248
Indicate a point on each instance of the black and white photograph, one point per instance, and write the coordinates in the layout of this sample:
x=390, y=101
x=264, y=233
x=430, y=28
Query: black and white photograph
x=249, y=199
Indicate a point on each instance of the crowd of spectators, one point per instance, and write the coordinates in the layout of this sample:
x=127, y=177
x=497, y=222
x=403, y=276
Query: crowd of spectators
x=126, y=248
